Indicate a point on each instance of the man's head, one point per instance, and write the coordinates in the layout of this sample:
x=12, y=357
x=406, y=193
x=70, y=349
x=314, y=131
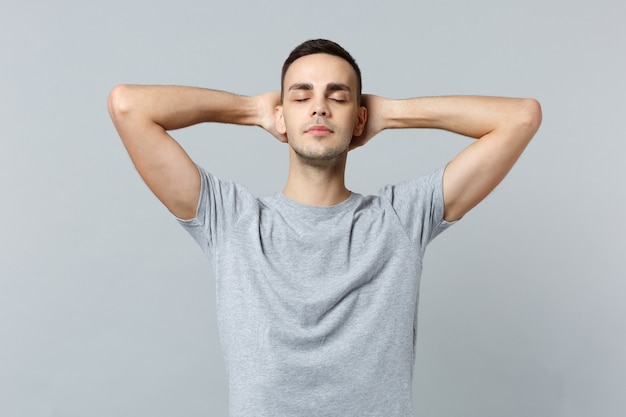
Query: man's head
x=320, y=111
x=321, y=46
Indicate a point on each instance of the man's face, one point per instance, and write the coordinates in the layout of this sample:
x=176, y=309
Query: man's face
x=320, y=113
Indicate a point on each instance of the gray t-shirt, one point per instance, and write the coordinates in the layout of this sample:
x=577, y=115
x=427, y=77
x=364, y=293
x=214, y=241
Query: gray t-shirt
x=317, y=306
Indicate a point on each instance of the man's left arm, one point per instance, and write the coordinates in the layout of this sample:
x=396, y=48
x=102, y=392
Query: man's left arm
x=502, y=126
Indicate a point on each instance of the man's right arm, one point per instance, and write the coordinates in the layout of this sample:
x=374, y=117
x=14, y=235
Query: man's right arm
x=142, y=116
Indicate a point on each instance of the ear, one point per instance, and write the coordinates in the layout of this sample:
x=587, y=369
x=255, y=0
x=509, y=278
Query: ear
x=279, y=119
x=361, y=118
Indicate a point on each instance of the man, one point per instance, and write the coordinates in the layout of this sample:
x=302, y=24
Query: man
x=317, y=286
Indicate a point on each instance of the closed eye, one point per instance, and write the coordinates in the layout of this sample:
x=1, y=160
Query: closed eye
x=339, y=98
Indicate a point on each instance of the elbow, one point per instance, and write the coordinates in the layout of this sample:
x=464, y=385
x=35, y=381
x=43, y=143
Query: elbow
x=119, y=101
x=531, y=115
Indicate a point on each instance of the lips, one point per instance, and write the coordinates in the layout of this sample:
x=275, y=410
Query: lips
x=319, y=130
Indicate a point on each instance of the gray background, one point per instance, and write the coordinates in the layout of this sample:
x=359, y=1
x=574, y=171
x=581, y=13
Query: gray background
x=107, y=305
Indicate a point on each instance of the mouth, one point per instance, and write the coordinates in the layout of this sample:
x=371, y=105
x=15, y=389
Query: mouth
x=319, y=130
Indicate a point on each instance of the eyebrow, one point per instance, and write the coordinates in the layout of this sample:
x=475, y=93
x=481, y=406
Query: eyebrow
x=329, y=87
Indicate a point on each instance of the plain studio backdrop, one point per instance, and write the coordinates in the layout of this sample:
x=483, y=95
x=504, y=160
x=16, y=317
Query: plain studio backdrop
x=107, y=305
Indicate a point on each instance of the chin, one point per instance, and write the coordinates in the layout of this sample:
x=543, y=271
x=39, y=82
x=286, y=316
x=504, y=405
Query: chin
x=326, y=156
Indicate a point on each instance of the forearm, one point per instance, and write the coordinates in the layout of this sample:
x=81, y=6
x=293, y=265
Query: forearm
x=175, y=107
x=473, y=116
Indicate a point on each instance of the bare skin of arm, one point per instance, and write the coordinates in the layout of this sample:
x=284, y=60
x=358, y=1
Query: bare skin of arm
x=503, y=127
x=144, y=114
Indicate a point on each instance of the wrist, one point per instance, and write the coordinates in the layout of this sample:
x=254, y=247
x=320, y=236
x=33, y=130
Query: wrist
x=264, y=106
x=400, y=114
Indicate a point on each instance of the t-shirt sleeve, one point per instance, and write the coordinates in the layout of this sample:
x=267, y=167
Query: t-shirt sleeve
x=219, y=207
x=419, y=205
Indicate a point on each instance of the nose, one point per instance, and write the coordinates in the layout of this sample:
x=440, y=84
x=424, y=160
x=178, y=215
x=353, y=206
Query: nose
x=319, y=108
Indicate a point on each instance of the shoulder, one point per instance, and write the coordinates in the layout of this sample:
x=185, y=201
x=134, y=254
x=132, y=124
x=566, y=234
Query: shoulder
x=419, y=205
x=427, y=186
x=222, y=200
x=217, y=187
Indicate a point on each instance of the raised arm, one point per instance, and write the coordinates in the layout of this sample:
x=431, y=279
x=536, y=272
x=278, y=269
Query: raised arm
x=142, y=116
x=503, y=127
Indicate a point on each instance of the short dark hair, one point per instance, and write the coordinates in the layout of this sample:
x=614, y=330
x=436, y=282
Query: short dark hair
x=321, y=46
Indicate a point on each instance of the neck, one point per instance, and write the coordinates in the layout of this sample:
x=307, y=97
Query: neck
x=319, y=184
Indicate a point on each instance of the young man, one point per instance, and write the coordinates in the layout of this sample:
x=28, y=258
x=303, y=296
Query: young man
x=317, y=286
